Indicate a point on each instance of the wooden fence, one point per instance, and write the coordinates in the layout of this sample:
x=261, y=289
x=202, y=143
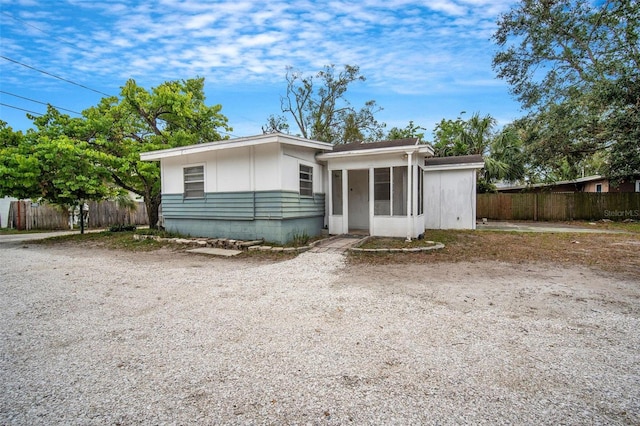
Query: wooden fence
x=25, y=215
x=559, y=206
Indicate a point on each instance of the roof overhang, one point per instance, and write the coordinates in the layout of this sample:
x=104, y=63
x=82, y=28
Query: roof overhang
x=236, y=143
x=407, y=149
x=462, y=162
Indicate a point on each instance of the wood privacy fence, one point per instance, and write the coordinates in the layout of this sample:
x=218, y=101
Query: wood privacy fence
x=26, y=215
x=559, y=206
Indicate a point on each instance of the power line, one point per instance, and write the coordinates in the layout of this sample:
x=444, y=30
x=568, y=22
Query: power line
x=41, y=30
x=21, y=109
x=39, y=102
x=53, y=75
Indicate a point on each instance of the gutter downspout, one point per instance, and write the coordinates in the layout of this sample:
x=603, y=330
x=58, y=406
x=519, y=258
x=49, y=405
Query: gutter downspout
x=409, y=195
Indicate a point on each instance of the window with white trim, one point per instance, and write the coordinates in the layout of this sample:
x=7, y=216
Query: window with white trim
x=598, y=187
x=193, y=182
x=336, y=192
x=420, y=194
x=306, y=180
x=382, y=191
x=638, y=185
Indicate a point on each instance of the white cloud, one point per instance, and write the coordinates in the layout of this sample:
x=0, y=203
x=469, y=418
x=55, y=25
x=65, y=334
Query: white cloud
x=401, y=46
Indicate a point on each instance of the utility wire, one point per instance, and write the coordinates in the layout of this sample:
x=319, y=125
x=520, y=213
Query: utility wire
x=39, y=102
x=21, y=109
x=41, y=30
x=53, y=75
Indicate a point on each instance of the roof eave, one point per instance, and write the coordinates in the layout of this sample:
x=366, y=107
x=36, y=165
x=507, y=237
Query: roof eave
x=422, y=149
x=458, y=166
x=235, y=143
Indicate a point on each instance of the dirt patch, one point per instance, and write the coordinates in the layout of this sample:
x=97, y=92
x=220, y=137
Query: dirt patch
x=609, y=252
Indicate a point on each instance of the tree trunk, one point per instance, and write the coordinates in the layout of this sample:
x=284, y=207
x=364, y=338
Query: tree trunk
x=152, y=202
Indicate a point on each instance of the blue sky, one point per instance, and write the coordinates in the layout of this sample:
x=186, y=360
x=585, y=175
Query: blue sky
x=423, y=60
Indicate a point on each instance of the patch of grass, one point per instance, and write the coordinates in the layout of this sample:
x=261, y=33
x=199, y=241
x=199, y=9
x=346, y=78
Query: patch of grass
x=12, y=231
x=160, y=233
x=393, y=243
x=108, y=240
x=296, y=242
x=609, y=252
x=122, y=228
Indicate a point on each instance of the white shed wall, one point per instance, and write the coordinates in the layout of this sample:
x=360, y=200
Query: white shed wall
x=450, y=199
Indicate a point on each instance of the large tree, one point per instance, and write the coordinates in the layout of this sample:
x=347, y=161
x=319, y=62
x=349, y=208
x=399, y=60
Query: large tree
x=320, y=110
x=501, y=150
x=53, y=163
x=170, y=115
x=411, y=131
x=574, y=66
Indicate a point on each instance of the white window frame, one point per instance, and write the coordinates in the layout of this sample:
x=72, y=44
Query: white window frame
x=638, y=185
x=382, y=191
x=306, y=180
x=598, y=187
x=194, y=181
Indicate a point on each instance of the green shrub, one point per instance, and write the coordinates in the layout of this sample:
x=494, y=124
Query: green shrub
x=122, y=228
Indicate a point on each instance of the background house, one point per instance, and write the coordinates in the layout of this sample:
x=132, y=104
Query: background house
x=594, y=183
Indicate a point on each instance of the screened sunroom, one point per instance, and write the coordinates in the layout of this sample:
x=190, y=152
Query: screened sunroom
x=377, y=188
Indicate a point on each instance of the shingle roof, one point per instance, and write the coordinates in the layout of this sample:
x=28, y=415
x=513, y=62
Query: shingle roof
x=355, y=146
x=460, y=159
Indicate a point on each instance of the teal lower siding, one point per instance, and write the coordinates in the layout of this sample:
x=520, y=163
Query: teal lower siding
x=278, y=230
x=273, y=215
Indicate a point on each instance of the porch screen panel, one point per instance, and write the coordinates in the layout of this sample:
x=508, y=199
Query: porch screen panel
x=382, y=191
x=336, y=192
x=194, y=182
x=420, y=190
x=400, y=191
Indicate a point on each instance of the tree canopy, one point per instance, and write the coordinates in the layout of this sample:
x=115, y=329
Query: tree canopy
x=502, y=150
x=66, y=160
x=411, y=131
x=575, y=67
x=320, y=110
x=53, y=163
x=170, y=115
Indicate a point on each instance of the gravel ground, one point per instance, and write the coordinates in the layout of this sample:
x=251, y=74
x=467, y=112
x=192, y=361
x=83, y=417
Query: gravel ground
x=104, y=337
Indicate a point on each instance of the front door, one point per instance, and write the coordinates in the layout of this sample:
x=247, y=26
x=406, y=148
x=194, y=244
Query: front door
x=358, y=186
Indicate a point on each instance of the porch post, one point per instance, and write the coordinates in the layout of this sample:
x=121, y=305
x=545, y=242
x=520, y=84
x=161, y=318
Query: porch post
x=409, y=195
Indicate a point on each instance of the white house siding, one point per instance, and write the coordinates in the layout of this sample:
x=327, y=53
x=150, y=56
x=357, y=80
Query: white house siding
x=266, y=160
x=231, y=170
x=450, y=199
x=292, y=158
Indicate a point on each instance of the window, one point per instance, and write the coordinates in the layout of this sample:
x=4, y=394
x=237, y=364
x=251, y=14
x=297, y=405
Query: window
x=638, y=186
x=399, y=191
x=598, y=187
x=306, y=180
x=194, y=182
x=382, y=191
x=336, y=192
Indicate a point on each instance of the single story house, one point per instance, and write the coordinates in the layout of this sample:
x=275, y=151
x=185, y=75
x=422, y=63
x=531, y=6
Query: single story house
x=595, y=183
x=278, y=186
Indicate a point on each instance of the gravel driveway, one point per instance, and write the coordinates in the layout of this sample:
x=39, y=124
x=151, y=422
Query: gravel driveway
x=104, y=337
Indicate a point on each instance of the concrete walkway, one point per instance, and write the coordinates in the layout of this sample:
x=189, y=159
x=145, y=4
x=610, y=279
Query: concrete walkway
x=338, y=244
x=31, y=236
